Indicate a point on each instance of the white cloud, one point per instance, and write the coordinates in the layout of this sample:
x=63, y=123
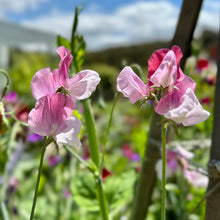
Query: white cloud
x=209, y=17
x=130, y=24
x=18, y=6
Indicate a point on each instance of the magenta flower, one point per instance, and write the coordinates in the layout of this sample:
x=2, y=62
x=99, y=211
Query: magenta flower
x=79, y=86
x=11, y=98
x=161, y=57
x=202, y=64
x=131, y=85
x=54, y=160
x=51, y=117
x=34, y=137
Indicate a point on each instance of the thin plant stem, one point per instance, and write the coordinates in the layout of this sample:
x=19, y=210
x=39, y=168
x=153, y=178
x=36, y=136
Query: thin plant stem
x=38, y=178
x=77, y=156
x=98, y=182
x=163, y=201
x=7, y=83
x=4, y=211
x=90, y=125
x=102, y=200
x=108, y=129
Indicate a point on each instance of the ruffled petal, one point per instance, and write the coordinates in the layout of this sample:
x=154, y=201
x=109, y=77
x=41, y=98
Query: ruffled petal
x=83, y=84
x=166, y=73
x=49, y=113
x=61, y=74
x=155, y=60
x=189, y=112
x=40, y=119
x=42, y=83
x=68, y=133
x=131, y=85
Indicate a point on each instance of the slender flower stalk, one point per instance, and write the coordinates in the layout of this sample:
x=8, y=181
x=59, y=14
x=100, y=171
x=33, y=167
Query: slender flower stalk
x=108, y=129
x=99, y=189
x=90, y=125
x=164, y=162
x=45, y=144
x=101, y=198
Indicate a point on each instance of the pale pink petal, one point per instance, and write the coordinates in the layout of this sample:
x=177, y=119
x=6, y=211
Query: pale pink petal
x=196, y=178
x=49, y=113
x=83, y=84
x=131, y=85
x=166, y=73
x=189, y=112
x=65, y=60
x=172, y=100
x=196, y=113
x=39, y=118
x=68, y=133
x=42, y=83
x=184, y=153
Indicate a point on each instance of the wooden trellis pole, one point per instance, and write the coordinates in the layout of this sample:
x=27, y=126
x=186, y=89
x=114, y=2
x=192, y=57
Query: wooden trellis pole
x=213, y=200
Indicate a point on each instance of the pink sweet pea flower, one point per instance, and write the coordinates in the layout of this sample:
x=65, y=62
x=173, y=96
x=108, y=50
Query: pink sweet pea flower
x=166, y=74
x=51, y=117
x=161, y=56
x=185, y=109
x=79, y=86
x=195, y=178
x=131, y=86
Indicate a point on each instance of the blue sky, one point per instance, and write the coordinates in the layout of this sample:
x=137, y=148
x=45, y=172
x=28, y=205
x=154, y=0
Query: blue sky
x=107, y=23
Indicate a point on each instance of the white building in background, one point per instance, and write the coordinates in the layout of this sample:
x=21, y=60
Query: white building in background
x=16, y=36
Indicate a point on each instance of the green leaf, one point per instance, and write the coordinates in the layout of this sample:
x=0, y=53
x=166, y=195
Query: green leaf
x=61, y=41
x=84, y=192
x=139, y=138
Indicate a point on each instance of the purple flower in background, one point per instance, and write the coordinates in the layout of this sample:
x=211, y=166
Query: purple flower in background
x=135, y=157
x=54, y=160
x=11, y=98
x=34, y=138
x=67, y=193
x=128, y=152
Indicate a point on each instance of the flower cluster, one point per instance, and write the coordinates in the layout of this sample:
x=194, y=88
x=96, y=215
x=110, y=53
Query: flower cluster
x=178, y=102
x=56, y=94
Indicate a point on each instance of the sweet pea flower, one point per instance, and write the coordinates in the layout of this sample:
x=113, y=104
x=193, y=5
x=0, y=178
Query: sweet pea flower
x=166, y=74
x=52, y=117
x=158, y=63
x=79, y=86
x=185, y=109
x=131, y=86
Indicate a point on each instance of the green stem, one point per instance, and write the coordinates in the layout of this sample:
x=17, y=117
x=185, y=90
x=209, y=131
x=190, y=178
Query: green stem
x=90, y=125
x=101, y=198
x=108, y=129
x=7, y=83
x=98, y=182
x=77, y=156
x=38, y=178
x=163, y=202
x=4, y=211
